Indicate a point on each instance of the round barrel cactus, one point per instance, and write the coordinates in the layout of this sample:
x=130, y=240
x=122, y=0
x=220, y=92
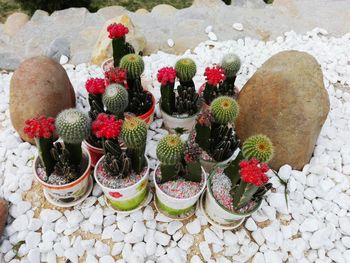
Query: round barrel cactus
x=224, y=109
x=133, y=64
x=170, y=150
x=185, y=69
x=115, y=98
x=134, y=132
x=258, y=146
x=231, y=64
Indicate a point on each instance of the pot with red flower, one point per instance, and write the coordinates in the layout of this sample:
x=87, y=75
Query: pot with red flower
x=179, y=179
x=122, y=173
x=117, y=32
x=95, y=88
x=179, y=107
x=62, y=168
x=220, y=80
x=214, y=132
x=236, y=191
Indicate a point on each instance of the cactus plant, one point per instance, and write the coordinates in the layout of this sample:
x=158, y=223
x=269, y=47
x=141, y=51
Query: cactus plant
x=231, y=64
x=186, y=101
x=224, y=109
x=185, y=70
x=166, y=76
x=120, y=47
x=115, y=98
x=193, y=169
x=214, y=77
x=134, y=134
x=73, y=127
x=258, y=146
x=140, y=101
x=133, y=64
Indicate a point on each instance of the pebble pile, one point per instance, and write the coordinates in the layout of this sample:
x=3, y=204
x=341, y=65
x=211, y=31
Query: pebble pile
x=315, y=227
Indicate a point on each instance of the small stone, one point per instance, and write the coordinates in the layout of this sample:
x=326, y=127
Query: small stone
x=137, y=216
x=309, y=225
x=344, y=223
x=251, y=225
x=49, y=215
x=91, y=259
x=238, y=26
x=173, y=227
x=170, y=42
x=194, y=227
x=151, y=247
x=211, y=238
x=230, y=238
x=34, y=256
x=96, y=217
x=212, y=36
x=33, y=239
x=106, y=259
x=49, y=235
x=148, y=213
x=20, y=223
x=196, y=259
x=208, y=29
x=125, y=224
x=161, y=238
x=34, y=224
x=117, y=248
x=118, y=236
x=101, y=249
x=186, y=242
x=205, y=250
x=108, y=232
x=177, y=236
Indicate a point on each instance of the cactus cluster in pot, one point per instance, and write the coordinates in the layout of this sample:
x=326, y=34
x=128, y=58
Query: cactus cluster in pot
x=220, y=79
x=214, y=130
x=123, y=171
x=61, y=163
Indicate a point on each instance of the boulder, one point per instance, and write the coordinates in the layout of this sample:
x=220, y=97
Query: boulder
x=58, y=47
x=39, y=86
x=3, y=215
x=286, y=100
x=14, y=22
x=103, y=47
x=163, y=10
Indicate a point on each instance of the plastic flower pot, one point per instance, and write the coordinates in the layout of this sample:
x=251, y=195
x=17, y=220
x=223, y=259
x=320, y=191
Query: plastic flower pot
x=67, y=193
x=172, y=123
x=220, y=214
x=176, y=207
x=149, y=115
x=209, y=165
x=95, y=152
x=127, y=198
x=107, y=64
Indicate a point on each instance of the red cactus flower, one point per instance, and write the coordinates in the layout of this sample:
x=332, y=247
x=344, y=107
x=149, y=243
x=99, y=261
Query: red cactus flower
x=214, y=75
x=166, y=75
x=106, y=126
x=253, y=172
x=95, y=86
x=40, y=127
x=116, y=75
x=117, y=30
x=115, y=194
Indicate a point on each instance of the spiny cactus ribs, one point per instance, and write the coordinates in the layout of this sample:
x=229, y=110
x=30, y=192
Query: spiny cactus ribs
x=115, y=98
x=117, y=166
x=258, y=146
x=231, y=65
x=193, y=168
x=133, y=64
x=186, y=101
x=185, y=70
x=224, y=109
x=140, y=101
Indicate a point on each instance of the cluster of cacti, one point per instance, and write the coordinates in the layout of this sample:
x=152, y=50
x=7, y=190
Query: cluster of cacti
x=116, y=162
x=115, y=98
x=192, y=165
x=186, y=101
x=134, y=135
x=214, y=132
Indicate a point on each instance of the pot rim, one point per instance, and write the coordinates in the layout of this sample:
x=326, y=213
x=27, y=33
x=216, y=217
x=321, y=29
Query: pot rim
x=210, y=191
x=149, y=112
x=181, y=118
x=221, y=162
x=123, y=188
x=89, y=145
x=64, y=186
x=204, y=174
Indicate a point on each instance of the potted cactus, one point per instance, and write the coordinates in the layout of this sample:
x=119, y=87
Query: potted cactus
x=122, y=173
x=117, y=32
x=62, y=168
x=220, y=80
x=179, y=107
x=141, y=102
x=179, y=179
x=214, y=132
x=236, y=191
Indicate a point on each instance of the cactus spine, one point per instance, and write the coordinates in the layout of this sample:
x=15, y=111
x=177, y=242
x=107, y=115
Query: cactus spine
x=134, y=134
x=73, y=127
x=258, y=146
x=133, y=64
x=185, y=70
x=44, y=146
x=170, y=153
x=231, y=65
x=115, y=98
x=224, y=109
x=187, y=100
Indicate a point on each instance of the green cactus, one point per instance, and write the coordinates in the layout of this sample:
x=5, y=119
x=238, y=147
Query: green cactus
x=73, y=127
x=170, y=153
x=231, y=65
x=115, y=98
x=185, y=70
x=120, y=49
x=224, y=109
x=44, y=146
x=258, y=146
x=168, y=98
x=193, y=171
x=187, y=100
x=133, y=64
x=134, y=134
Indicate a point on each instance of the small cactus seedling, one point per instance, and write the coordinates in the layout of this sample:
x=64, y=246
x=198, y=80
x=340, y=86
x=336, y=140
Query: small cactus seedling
x=185, y=70
x=115, y=98
x=133, y=64
x=224, y=109
x=121, y=48
x=116, y=162
x=259, y=147
x=73, y=127
x=134, y=134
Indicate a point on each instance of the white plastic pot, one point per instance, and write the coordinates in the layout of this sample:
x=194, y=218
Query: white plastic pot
x=128, y=198
x=209, y=165
x=176, y=206
x=171, y=123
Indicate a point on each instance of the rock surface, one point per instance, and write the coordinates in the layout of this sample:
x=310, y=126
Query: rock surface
x=14, y=22
x=40, y=86
x=3, y=215
x=287, y=101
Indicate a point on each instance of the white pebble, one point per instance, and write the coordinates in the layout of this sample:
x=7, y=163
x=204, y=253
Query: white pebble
x=237, y=26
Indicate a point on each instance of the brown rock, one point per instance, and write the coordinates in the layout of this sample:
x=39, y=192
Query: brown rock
x=287, y=101
x=39, y=86
x=14, y=22
x=3, y=215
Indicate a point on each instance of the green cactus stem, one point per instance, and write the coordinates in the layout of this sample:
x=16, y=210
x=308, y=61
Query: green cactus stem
x=187, y=100
x=133, y=64
x=243, y=193
x=193, y=171
x=231, y=64
x=44, y=146
x=116, y=99
x=120, y=49
x=210, y=93
x=258, y=146
x=224, y=109
x=168, y=98
x=96, y=105
x=140, y=101
x=116, y=162
x=73, y=127
x=185, y=70
x=134, y=134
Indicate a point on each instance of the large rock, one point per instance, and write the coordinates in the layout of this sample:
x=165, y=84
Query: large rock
x=39, y=86
x=103, y=47
x=14, y=22
x=286, y=100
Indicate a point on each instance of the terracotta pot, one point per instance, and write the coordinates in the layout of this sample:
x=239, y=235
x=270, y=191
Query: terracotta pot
x=128, y=198
x=66, y=193
x=95, y=152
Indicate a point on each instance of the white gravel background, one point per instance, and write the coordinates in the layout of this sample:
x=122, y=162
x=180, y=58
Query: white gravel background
x=314, y=228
